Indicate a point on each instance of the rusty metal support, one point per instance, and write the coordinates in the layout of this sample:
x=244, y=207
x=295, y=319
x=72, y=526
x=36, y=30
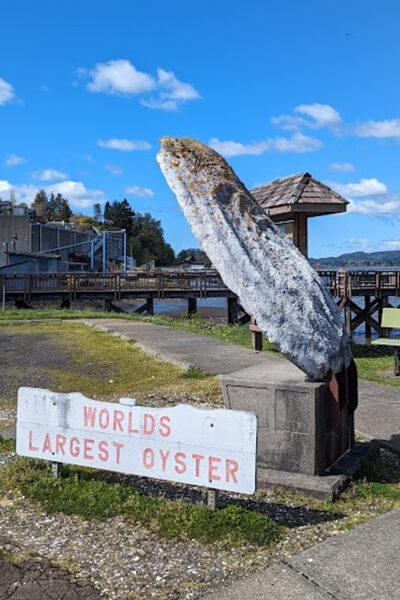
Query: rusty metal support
x=192, y=307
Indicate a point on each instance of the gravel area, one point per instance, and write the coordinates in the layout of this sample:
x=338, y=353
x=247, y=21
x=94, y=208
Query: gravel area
x=124, y=560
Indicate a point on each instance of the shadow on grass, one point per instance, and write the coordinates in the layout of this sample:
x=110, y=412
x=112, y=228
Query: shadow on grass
x=280, y=513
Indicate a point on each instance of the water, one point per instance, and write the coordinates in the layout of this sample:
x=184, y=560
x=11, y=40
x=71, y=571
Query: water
x=359, y=333
x=216, y=309
x=209, y=308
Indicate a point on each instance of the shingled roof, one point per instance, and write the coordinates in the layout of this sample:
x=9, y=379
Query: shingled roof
x=298, y=193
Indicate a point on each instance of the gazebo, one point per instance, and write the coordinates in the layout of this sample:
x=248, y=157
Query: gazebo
x=292, y=200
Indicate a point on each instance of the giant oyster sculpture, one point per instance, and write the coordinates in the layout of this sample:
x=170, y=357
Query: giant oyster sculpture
x=273, y=281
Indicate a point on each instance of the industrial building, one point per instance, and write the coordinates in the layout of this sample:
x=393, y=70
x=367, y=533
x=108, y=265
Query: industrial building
x=29, y=246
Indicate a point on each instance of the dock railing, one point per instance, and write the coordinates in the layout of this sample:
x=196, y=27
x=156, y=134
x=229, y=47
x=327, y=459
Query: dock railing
x=156, y=282
x=342, y=284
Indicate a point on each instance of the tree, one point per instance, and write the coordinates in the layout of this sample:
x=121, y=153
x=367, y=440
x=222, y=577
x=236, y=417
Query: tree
x=58, y=208
x=97, y=212
x=145, y=234
x=147, y=241
x=197, y=254
x=119, y=215
x=65, y=211
x=40, y=204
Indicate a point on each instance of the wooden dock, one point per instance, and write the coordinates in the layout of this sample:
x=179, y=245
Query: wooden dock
x=375, y=287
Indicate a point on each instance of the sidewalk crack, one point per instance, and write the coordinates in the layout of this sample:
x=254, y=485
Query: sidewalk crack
x=312, y=581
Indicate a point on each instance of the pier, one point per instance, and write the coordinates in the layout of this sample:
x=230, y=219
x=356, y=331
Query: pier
x=376, y=287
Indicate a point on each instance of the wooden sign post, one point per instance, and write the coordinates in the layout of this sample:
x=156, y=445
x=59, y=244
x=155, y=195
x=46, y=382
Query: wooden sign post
x=210, y=448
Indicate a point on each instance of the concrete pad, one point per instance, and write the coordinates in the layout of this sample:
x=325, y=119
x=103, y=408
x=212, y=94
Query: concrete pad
x=378, y=414
x=361, y=564
x=183, y=349
x=279, y=582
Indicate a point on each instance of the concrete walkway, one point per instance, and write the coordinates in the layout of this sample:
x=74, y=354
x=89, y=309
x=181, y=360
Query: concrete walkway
x=361, y=564
x=183, y=349
x=378, y=413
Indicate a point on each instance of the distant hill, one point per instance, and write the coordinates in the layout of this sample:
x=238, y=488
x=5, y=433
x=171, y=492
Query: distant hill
x=389, y=258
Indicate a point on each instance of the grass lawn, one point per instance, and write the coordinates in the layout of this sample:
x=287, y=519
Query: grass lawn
x=373, y=363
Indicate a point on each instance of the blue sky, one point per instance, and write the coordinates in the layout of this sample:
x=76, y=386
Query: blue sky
x=279, y=87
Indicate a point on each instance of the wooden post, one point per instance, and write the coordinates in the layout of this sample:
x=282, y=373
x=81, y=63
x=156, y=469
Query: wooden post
x=256, y=335
x=212, y=499
x=56, y=469
x=233, y=310
x=107, y=305
x=347, y=317
x=396, y=362
x=367, y=325
x=382, y=304
x=150, y=306
x=192, y=307
x=300, y=233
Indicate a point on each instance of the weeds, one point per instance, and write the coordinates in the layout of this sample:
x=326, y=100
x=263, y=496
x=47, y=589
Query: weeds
x=82, y=494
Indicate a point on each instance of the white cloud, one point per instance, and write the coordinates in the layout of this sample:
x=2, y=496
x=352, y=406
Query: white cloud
x=365, y=187
x=172, y=92
x=360, y=245
x=392, y=244
x=323, y=115
x=341, y=167
x=318, y=117
x=289, y=122
x=114, y=169
x=124, y=145
x=231, y=148
x=74, y=191
x=389, y=128
x=7, y=92
x=135, y=190
x=5, y=185
x=118, y=77
x=298, y=143
x=49, y=175
x=386, y=205
x=13, y=159
x=380, y=202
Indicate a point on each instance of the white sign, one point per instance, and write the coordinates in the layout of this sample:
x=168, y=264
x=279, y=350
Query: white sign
x=210, y=448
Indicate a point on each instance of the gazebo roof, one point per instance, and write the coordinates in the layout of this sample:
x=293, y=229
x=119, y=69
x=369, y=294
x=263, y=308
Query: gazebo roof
x=298, y=194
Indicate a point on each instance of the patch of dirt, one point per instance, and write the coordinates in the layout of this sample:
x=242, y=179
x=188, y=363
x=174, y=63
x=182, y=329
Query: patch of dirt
x=30, y=580
x=25, y=360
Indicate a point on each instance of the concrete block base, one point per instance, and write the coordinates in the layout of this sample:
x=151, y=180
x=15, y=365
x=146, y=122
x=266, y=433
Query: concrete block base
x=300, y=426
x=324, y=487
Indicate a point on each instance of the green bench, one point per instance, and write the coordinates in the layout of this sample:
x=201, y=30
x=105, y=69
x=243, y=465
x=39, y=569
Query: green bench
x=391, y=320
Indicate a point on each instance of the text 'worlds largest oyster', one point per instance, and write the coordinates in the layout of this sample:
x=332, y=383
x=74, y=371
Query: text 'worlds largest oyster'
x=272, y=279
